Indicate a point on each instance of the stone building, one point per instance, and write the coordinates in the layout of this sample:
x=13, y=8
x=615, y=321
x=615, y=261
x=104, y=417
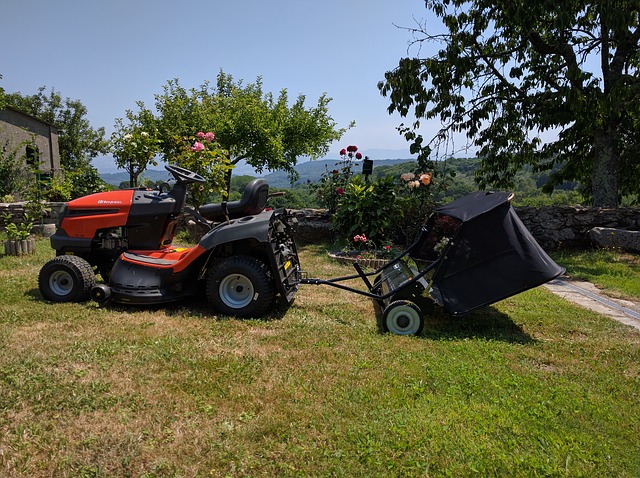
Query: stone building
x=35, y=140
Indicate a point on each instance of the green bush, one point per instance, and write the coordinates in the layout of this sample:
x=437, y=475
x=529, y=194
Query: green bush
x=368, y=208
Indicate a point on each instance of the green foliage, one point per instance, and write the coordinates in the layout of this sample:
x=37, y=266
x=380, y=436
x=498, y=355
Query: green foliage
x=135, y=145
x=58, y=189
x=78, y=143
x=249, y=124
x=13, y=171
x=509, y=71
x=202, y=154
x=3, y=101
x=85, y=180
x=17, y=230
x=368, y=208
x=292, y=199
x=332, y=184
x=614, y=271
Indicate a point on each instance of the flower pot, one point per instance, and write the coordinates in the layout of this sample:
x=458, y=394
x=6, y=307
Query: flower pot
x=346, y=258
x=18, y=247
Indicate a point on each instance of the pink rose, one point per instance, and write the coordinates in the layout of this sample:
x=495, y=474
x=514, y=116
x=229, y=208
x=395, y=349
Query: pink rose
x=197, y=146
x=200, y=134
x=209, y=136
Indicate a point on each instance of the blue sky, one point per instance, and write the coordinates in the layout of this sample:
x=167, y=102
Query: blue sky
x=111, y=53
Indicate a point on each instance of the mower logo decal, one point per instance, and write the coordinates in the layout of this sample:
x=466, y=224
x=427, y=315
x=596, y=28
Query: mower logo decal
x=287, y=265
x=104, y=201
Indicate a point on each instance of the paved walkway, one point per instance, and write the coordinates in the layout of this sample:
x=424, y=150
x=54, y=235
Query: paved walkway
x=589, y=296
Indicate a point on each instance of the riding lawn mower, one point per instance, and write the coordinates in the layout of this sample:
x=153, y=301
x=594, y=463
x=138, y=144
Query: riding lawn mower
x=245, y=261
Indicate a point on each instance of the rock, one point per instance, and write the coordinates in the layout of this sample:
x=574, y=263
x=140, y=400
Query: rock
x=615, y=238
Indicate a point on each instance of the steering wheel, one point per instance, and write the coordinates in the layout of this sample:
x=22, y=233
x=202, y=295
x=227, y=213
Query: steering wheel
x=183, y=175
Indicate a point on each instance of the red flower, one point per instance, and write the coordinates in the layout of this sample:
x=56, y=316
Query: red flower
x=358, y=156
x=352, y=149
x=339, y=191
x=343, y=152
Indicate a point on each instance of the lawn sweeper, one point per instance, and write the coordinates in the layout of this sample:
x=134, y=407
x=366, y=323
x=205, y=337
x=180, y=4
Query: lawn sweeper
x=470, y=253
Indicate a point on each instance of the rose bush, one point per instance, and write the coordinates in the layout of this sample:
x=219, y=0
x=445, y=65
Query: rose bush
x=203, y=155
x=332, y=184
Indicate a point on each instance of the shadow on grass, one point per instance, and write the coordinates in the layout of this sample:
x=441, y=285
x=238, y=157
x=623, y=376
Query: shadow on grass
x=487, y=323
x=194, y=306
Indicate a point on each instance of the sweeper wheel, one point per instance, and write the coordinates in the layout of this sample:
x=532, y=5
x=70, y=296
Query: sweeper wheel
x=403, y=317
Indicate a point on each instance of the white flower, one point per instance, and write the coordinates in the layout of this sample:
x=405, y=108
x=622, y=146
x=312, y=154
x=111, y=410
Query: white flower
x=144, y=134
x=127, y=137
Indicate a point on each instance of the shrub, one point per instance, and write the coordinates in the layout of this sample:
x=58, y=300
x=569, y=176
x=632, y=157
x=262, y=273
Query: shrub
x=334, y=183
x=368, y=208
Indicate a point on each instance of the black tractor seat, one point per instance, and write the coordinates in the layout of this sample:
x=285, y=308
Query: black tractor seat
x=253, y=201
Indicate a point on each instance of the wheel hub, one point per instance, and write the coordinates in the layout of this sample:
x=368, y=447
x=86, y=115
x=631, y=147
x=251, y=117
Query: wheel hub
x=61, y=282
x=236, y=291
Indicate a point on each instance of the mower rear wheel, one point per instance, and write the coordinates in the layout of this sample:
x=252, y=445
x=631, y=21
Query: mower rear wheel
x=66, y=279
x=403, y=317
x=240, y=286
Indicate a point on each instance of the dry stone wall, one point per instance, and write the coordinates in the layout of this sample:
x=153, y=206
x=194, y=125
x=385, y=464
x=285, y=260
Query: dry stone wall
x=553, y=227
x=566, y=226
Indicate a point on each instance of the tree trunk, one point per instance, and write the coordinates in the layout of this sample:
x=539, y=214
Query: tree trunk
x=605, y=170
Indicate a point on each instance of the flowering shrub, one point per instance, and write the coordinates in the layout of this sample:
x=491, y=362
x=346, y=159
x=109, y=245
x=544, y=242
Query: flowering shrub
x=134, y=149
x=377, y=211
x=333, y=183
x=202, y=154
x=416, y=199
x=367, y=209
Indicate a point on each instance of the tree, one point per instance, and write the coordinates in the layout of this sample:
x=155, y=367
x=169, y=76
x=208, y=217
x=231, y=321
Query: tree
x=2, y=96
x=13, y=171
x=249, y=124
x=135, y=145
x=79, y=143
x=511, y=71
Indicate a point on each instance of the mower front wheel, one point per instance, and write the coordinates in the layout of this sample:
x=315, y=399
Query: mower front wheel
x=66, y=279
x=240, y=286
x=403, y=317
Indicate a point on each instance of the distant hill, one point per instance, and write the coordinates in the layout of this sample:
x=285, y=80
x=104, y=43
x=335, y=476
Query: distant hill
x=312, y=170
x=152, y=174
x=309, y=170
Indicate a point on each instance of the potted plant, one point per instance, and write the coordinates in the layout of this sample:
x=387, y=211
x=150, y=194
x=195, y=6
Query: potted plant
x=19, y=240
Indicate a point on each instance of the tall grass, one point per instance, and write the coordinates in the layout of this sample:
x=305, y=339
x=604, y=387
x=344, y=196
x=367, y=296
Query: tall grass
x=530, y=387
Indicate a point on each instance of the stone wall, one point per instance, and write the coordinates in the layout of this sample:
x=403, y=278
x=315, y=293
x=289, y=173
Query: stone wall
x=17, y=210
x=566, y=226
x=553, y=227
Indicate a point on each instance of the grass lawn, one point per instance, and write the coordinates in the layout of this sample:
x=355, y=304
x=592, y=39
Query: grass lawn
x=615, y=272
x=532, y=386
